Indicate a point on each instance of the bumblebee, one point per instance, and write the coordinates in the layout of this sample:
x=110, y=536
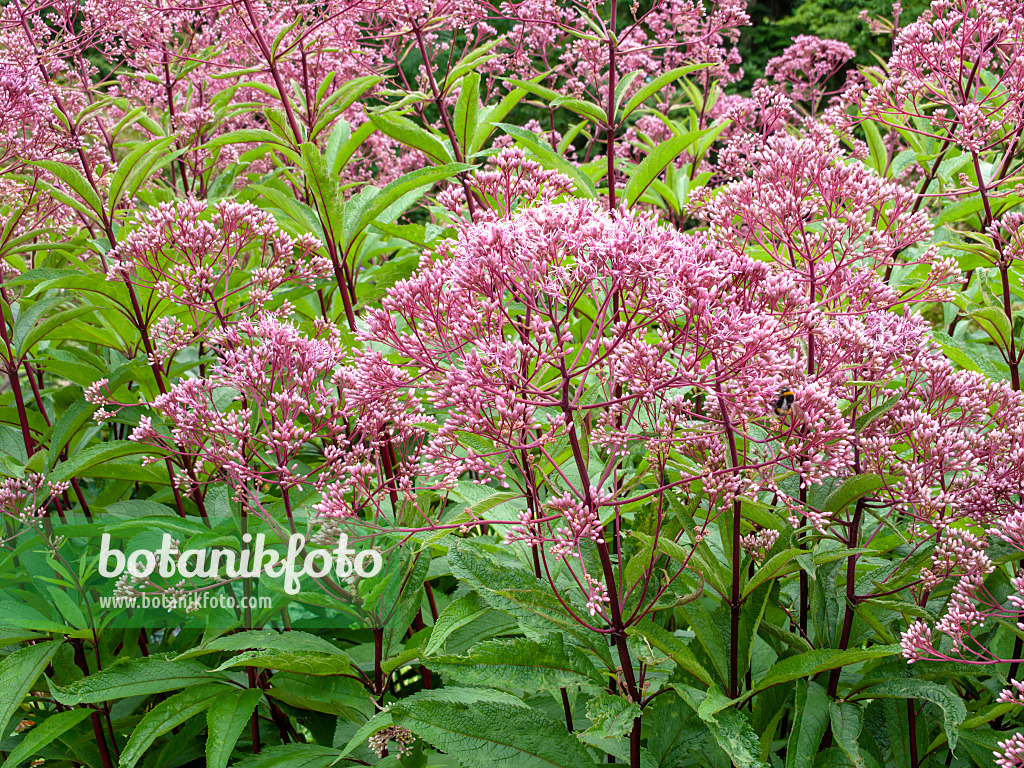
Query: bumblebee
x=783, y=403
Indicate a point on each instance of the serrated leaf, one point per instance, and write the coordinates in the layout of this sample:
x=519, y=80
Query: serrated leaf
x=483, y=731
x=656, y=85
x=467, y=107
x=847, y=721
x=520, y=663
x=550, y=159
x=952, y=706
x=819, y=660
x=138, y=677
x=166, y=715
x=225, y=720
x=654, y=164
x=266, y=640
x=730, y=728
x=44, y=734
x=456, y=615
x=851, y=489
x=291, y=756
x=74, y=179
x=612, y=716
x=18, y=673
x=810, y=719
x=99, y=453
x=304, y=662
x=359, y=217
x=668, y=643
x=403, y=130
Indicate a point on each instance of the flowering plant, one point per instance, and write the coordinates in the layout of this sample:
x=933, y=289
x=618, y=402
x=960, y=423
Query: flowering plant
x=685, y=425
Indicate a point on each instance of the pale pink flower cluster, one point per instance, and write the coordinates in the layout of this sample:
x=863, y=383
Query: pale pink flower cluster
x=943, y=68
x=476, y=365
x=26, y=498
x=219, y=261
x=806, y=66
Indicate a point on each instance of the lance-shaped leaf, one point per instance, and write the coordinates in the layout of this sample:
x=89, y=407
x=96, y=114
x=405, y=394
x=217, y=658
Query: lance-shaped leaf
x=407, y=132
x=305, y=662
x=668, y=643
x=138, y=677
x=657, y=159
x=810, y=719
x=520, y=663
x=550, y=159
x=730, y=728
x=612, y=716
x=18, y=672
x=656, y=85
x=486, y=731
x=266, y=640
x=291, y=756
x=225, y=720
x=458, y=614
x=362, y=209
x=166, y=715
x=953, y=708
x=48, y=731
x=819, y=660
x=847, y=721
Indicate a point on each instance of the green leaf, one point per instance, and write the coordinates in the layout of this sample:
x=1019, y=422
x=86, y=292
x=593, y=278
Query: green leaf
x=30, y=315
x=879, y=410
x=456, y=615
x=100, y=453
x=820, y=660
x=481, y=731
x=996, y=324
x=847, y=721
x=492, y=115
x=652, y=166
x=511, y=590
x=853, y=488
x=612, y=716
x=329, y=202
x=967, y=356
x=550, y=159
x=291, y=756
x=135, y=168
x=520, y=663
x=953, y=708
x=709, y=635
x=656, y=85
x=265, y=640
x=407, y=132
x=45, y=734
x=18, y=672
x=250, y=136
x=730, y=728
x=359, y=217
x=810, y=718
x=771, y=568
x=37, y=333
x=304, y=662
x=225, y=720
x=668, y=643
x=138, y=677
x=166, y=715
x=73, y=179
x=582, y=108
x=879, y=155
x=467, y=109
